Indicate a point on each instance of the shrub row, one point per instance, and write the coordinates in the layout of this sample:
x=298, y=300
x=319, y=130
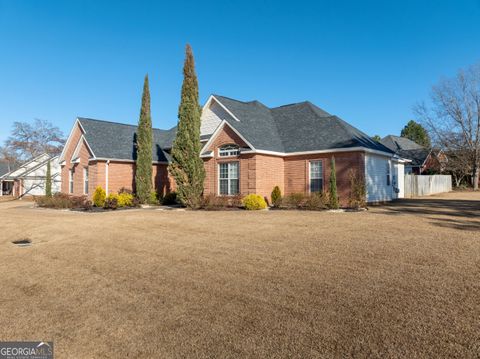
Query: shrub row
x=64, y=201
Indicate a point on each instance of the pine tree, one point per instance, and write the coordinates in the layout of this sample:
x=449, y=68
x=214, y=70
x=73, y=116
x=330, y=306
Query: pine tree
x=187, y=166
x=333, y=186
x=143, y=171
x=48, y=181
x=417, y=133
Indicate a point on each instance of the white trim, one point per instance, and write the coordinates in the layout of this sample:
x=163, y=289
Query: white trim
x=70, y=136
x=332, y=150
x=106, y=176
x=86, y=172
x=322, y=177
x=208, y=154
x=71, y=181
x=221, y=105
x=76, y=152
x=228, y=179
x=217, y=131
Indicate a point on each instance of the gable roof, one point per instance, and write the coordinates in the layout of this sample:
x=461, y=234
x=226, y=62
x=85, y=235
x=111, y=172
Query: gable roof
x=4, y=168
x=396, y=143
x=28, y=166
x=407, y=148
x=111, y=140
x=299, y=127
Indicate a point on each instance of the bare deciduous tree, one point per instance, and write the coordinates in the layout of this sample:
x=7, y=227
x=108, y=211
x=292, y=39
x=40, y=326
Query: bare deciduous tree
x=31, y=140
x=453, y=118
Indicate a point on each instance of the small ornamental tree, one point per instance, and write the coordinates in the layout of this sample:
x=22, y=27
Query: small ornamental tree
x=276, y=196
x=333, y=202
x=143, y=169
x=48, y=181
x=358, y=190
x=187, y=167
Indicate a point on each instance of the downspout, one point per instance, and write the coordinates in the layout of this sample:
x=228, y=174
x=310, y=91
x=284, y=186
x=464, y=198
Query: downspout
x=106, y=176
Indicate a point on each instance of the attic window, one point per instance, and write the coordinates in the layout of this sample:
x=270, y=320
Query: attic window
x=228, y=151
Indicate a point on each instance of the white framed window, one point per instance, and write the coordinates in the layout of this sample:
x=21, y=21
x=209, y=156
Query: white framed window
x=85, y=180
x=388, y=173
x=70, y=181
x=228, y=151
x=228, y=179
x=316, y=176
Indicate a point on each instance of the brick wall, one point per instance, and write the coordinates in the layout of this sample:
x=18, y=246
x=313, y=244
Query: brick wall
x=247, y=165
x=269, y=173
x=120, y=174
x=297, y=171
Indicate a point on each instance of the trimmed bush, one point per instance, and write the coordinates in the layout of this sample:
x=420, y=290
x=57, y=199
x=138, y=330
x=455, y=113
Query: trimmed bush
x=63, y=201
x=169, y=198
x=317, y=201
x=111, y=201
x=153, y=199
x=294, y=201
x=276, y=197
x=99, y=197
x=214, y=203
x=125, y=199
x=254, y=202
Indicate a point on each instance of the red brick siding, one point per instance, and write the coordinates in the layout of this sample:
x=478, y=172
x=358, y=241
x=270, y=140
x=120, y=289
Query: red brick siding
x=246, y=167
x=297, y=171
x=76, y=134
x=120, y=174
x=269, y=173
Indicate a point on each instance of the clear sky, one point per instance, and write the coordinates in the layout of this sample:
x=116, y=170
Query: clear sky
x=366, y=61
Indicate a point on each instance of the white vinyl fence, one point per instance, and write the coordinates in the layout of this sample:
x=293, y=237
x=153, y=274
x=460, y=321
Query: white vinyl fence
x=426, y=185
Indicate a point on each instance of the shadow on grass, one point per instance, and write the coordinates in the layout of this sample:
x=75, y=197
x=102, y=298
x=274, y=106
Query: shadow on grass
x=456, y=214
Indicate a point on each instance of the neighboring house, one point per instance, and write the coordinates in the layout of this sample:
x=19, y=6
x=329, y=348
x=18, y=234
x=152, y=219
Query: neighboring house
x=247, y=148
x=423, y=160
x=29, y=179
x=6, y=186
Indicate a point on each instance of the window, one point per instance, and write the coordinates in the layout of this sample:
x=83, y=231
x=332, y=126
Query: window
x=70, y=181
x=229, y=184
x=316, y=176
x=388, y=174
x=228, y=150
x=85, y=180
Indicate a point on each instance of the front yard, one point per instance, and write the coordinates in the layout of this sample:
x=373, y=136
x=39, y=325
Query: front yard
x=401, y=280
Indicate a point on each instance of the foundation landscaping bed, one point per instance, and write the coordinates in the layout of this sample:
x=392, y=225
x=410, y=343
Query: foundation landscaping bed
x=101, y=202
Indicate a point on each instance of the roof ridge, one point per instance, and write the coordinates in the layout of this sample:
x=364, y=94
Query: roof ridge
x=119, y=123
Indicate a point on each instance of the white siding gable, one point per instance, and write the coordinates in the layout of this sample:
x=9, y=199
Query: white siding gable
x=34, y=181
x=212, y=116
x=376, y=177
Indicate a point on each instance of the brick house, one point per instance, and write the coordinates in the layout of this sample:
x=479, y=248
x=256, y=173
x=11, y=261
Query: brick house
x=423, y=160
x=247, y=148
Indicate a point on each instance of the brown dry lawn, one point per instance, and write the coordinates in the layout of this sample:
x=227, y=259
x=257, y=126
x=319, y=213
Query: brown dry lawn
x=398, y=281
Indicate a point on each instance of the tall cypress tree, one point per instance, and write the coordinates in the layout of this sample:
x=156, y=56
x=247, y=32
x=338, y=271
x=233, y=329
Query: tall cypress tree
x=187, y=166
x=48, y=181
x=143, y=171
x=333, y=186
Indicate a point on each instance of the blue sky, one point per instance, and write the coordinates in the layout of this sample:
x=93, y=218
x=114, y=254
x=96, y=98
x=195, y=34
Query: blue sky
x=368, y=62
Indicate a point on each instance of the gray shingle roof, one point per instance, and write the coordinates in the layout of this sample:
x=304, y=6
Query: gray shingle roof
x=4, y=168
x=117, y=141
x=406, y=148
x=396, y=143
x=294, y=128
